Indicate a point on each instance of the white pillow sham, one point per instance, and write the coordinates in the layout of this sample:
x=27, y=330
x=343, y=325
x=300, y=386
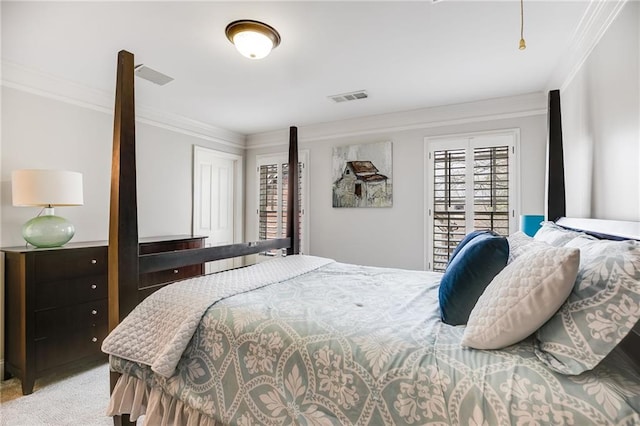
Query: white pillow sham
x=522, y=297
x=601, y=310
x=555, y=235
x=520, y=243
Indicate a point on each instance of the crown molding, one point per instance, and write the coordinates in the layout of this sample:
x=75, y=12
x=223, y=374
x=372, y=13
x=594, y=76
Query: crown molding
x=596, y=20
x=28, y=80
x=520, y=106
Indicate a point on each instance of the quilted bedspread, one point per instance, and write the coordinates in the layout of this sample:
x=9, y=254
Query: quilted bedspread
x=163, y=324
x=354, y=345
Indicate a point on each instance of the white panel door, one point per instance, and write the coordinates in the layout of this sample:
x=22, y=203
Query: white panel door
x=214, y=200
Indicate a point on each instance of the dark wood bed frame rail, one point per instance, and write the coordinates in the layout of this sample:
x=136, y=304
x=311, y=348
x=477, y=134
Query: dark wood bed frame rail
x=175, y=259
x=125, y=262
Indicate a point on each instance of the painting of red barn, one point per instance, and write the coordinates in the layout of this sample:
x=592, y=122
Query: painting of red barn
x=362, y=175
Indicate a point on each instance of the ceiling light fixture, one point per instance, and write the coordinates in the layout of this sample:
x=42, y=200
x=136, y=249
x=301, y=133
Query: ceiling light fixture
x=253, y=39
x=523, y=44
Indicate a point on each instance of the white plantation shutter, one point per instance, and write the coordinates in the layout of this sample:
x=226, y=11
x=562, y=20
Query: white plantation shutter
x=269, y=206
x=471, y=187
x=491, y=189
x=273, y=173
x=449, y=201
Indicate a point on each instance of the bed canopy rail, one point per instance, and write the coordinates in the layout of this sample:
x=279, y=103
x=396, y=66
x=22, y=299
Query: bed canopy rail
x=125, y=262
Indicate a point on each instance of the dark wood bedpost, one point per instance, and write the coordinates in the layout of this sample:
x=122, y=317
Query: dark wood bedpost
x=123, y=217
x=293, y=211
x=556, y=201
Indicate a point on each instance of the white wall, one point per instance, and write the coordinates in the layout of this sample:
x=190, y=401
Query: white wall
x=395, y=236
x=40, y=132
x=601, y=125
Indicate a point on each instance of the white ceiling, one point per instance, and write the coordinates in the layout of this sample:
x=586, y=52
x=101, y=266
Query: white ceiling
x=407, y=55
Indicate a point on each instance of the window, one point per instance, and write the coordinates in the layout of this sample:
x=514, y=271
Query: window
x=273, y=173
x=471, y=185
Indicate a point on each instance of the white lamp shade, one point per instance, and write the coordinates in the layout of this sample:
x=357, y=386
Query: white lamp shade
x=46, y=187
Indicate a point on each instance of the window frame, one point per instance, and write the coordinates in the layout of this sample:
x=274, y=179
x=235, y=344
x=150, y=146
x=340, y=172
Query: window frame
x=469, y=141
x=280, y=159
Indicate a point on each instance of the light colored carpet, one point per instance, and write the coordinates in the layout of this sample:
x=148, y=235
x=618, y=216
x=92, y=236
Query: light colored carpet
x=77, y=397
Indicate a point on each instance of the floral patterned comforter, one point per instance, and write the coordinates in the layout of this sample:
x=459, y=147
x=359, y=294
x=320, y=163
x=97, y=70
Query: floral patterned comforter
x=355, y=345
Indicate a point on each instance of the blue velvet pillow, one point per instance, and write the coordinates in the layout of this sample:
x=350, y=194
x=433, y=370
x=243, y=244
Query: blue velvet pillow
x=470, y=236
x=471, y=268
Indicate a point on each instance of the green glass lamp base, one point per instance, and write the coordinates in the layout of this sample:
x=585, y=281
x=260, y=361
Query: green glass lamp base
x=48, y=231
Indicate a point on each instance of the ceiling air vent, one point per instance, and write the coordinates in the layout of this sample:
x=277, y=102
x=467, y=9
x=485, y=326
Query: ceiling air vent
x=351, y=96
x=152, y=75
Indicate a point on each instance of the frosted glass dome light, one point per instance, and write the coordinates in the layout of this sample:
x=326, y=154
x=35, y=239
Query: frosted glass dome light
x=252, y=39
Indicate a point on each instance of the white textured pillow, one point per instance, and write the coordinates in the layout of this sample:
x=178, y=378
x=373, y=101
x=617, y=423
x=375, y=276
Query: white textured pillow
x=522, y=297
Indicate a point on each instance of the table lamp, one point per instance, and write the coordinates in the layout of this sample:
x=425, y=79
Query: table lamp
x=530, y=223
x=47, y=188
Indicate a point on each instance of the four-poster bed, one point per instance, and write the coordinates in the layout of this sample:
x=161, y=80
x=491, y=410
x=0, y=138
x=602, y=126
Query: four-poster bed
x=305, y=340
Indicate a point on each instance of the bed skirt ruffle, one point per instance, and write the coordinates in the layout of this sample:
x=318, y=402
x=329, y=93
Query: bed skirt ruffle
x=132, y=396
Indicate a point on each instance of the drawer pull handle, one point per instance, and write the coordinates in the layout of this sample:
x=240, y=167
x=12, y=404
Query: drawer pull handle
x=93, y=261
x=93, y=286
x=95, y=339
x=94, y=312
x=175, y=271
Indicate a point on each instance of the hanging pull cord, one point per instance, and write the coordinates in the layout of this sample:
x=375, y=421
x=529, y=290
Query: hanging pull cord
x=523, y=44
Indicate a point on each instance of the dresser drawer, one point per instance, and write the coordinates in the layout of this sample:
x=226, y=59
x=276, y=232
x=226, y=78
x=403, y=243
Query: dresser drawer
x=169, y=275
x=57, y=323
x=68, y=334
x=72, y=291
x=73, y=345
x=65, y=264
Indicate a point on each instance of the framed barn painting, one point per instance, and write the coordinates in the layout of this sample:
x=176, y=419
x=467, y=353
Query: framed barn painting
x=362, y=175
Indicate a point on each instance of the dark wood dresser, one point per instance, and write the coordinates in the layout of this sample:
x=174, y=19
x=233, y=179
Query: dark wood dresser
x=56, y=302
